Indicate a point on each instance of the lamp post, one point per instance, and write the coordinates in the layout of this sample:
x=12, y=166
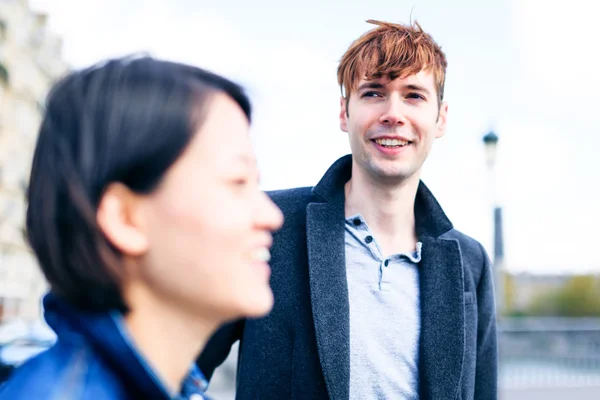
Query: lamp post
x=490, y=140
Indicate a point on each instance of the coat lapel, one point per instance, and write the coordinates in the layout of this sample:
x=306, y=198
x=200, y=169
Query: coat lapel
x=442, y=318
x=441, y=286
x=329, y=293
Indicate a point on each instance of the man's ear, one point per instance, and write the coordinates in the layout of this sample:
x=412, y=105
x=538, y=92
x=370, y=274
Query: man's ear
x=442, y=120
x=344, y=114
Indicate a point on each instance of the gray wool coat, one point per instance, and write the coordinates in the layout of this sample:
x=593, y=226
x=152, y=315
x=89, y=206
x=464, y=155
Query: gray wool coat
x=301, y=349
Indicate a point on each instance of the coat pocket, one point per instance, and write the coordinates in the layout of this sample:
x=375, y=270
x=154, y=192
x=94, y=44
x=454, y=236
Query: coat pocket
x=469, y=298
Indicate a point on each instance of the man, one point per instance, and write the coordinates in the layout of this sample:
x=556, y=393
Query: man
x=376, y=294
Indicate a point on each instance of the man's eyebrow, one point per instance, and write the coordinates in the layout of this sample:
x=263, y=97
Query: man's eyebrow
x=418, y=88
x=370, y=85
x=378, y=85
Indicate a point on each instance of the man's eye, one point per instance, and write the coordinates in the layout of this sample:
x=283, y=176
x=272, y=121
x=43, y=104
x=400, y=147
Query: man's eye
x=371, y=94
x=415, y=96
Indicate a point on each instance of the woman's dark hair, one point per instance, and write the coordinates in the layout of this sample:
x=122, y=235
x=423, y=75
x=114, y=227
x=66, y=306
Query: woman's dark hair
x=126, y=120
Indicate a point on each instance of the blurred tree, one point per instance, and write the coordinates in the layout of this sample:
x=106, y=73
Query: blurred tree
x=579, y=297
x=509, y=294
x=3, y=74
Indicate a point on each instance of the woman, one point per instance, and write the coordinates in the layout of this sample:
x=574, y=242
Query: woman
x=147, y=221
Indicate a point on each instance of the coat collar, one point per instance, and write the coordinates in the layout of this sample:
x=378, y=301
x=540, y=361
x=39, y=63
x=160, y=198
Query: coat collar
x=430, y=218
x=440, y=279
x=106, y=334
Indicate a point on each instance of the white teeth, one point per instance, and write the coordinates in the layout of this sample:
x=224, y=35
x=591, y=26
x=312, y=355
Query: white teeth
x=262, y=255
x=391, y=142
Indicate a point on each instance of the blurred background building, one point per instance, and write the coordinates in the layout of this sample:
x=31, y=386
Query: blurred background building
x=30, y=60
x=527, y=193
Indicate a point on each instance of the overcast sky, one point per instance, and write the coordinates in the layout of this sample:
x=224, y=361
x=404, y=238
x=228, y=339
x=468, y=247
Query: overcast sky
x=527, y=69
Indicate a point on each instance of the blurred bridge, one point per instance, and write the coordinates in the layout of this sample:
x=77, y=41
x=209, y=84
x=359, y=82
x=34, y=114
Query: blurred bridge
x=539, y=358
x=549, y=358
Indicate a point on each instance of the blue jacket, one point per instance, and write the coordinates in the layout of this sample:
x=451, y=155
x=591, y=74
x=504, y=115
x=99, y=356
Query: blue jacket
x=302, y=349
x=93, y=359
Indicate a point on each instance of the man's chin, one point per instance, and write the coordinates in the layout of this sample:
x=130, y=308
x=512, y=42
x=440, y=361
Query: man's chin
x=392, y=173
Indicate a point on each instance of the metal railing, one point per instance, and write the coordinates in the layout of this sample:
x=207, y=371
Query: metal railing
x=549, y=352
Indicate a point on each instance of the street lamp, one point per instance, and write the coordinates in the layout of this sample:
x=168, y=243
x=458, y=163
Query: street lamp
x=490, y=140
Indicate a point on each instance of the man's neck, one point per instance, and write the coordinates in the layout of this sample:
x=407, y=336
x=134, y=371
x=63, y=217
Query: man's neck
x=387, y=208
x=167, y=339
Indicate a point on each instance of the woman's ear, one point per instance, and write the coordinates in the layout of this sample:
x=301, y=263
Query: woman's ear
x=121, y=219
